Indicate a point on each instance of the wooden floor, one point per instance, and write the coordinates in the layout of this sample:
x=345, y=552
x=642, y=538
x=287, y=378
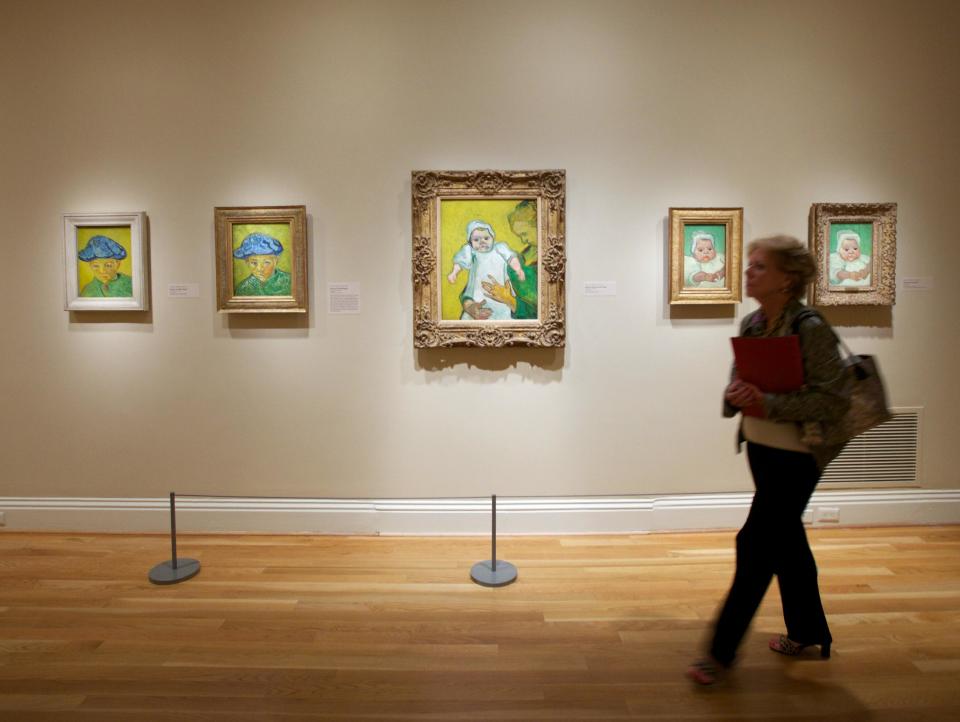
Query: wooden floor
x=595, y=628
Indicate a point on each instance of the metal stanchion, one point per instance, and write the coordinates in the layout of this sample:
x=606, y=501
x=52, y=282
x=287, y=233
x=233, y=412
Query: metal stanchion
x=174, y=570
x=493, y=572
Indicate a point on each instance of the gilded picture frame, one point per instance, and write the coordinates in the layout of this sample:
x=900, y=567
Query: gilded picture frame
x=105, y=261
x=489, y=258
x=705, y=255
x=261, y=259
x=855, y=246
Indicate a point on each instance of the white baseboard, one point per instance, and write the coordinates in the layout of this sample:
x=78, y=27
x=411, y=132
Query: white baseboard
x=535, y=515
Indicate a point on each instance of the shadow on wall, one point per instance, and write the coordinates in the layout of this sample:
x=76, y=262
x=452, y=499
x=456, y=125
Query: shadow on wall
x=868, y=316
x=79, y=319
x=725, y=311
x=492, y=359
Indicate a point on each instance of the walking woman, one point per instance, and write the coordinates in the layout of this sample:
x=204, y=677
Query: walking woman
x=786, y=459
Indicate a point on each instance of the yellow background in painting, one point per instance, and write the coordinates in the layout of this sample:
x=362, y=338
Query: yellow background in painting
x=454, y=217
x=120, y=234
x=280, y=231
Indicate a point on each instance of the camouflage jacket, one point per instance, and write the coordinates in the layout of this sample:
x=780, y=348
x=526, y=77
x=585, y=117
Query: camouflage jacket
x=823, y=399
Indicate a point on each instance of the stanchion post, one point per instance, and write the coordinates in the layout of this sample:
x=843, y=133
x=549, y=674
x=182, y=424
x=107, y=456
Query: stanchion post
x=493, y=573
x=174, y=570
x=493, y=533
x=173, y=529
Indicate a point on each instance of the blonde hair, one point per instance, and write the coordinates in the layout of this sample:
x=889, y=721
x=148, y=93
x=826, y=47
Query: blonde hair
x=791, y=257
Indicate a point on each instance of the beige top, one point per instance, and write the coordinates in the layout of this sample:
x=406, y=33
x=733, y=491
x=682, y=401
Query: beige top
x=777, y=434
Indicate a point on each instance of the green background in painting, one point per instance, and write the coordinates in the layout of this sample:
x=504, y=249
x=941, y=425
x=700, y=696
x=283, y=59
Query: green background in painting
x=718, y=231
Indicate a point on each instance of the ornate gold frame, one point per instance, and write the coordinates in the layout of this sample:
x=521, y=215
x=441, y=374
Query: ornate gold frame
x=732, y=220
x=548, y=188
x=883, y=217
x=224, y=220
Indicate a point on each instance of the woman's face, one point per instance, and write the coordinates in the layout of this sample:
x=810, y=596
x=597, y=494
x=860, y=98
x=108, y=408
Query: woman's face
x=262, y=267
x=105, y=269
x=525, y=229
x=764, y=278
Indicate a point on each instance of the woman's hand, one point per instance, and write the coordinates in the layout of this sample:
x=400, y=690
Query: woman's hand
x=740, y=394
x=501, y=293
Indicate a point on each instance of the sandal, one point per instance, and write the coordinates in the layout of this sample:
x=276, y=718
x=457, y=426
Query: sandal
x=784, y=645
x=705, y=672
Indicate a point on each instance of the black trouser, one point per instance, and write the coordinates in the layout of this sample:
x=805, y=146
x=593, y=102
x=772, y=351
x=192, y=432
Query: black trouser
x=773, y=541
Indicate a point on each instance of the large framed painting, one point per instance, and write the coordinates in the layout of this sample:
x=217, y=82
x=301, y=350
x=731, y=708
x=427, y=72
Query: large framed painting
x=705, y=252
x=105, y=262
x=855, y=245
x=261, y=259
x=489, y=258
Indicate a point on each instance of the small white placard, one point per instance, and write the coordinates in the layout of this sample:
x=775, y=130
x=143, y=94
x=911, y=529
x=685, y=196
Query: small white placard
x=600, y=288
x=344, y=297
x=922, y=283
x=183, y=290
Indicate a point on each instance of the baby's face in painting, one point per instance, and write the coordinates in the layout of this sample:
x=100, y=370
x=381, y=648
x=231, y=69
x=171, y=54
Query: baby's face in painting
x=704, y=251
x=481, y=240
x=849, y=250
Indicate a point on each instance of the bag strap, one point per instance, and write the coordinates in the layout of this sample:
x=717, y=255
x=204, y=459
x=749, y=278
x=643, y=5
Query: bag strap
x=810, y=313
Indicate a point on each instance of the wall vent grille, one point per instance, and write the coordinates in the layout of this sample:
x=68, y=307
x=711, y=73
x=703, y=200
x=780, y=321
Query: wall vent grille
x=887, y=454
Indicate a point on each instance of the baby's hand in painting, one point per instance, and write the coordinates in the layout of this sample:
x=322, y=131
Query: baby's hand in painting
x=452, y=278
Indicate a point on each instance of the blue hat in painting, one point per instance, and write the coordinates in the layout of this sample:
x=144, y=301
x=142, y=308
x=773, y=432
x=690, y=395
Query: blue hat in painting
x=258, y=244
x=102, y=247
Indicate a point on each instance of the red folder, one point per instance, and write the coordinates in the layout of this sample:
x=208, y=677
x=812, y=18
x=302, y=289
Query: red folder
x=773, y=364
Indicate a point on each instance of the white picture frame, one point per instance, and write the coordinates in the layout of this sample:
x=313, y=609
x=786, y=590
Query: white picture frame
x=84, y=289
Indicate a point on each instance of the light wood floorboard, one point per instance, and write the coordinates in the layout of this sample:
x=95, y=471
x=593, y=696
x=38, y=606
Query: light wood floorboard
x=373, y=628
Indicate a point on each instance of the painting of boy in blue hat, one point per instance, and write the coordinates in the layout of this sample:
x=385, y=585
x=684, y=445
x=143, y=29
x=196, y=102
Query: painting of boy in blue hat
x=261, y=254
x=103, y=256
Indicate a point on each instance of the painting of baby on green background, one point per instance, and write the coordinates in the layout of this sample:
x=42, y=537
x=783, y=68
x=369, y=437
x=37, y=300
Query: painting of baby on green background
x=261, y=259
x=104, y=264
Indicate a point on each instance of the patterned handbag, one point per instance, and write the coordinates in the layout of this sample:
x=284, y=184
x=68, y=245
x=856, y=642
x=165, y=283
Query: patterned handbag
x=863, y=387
x=868, y=399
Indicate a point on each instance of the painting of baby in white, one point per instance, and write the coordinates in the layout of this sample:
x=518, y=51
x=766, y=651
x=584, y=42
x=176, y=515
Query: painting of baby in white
x=705, y=267
x=849, y=266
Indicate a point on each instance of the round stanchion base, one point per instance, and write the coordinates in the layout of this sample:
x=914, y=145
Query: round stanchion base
x=484, y=574
x=164, y=572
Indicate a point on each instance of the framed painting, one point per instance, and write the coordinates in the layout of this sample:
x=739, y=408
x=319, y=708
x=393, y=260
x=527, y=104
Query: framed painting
x=705, y=251
x=261, y=259
x=489, y=259
x=105, y=262
x=855, y=246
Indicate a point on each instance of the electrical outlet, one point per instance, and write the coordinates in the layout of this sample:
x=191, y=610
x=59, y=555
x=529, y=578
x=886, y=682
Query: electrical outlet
x=807, y=516
x=828, y=515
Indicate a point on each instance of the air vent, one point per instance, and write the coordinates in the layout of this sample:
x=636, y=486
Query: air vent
x=887, y=454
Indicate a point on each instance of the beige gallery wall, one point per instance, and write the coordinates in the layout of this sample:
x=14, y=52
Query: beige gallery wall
x=174, y=108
